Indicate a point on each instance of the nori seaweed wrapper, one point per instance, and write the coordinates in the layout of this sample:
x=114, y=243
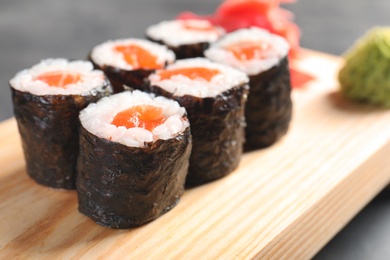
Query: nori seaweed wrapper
x=132, y=79
x=185, y=51
x=217, y=127
x=269, y=107
x=122, y=187
x=48, y=126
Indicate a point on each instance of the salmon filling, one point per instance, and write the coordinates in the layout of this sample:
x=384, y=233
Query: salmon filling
x=197, y=26
x=249, y=50
x=60, y=79
x=144, y=116
x=192, y=73
x=138, y=57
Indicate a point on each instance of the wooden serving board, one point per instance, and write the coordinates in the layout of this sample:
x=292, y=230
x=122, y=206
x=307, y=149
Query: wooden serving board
x=283, y=202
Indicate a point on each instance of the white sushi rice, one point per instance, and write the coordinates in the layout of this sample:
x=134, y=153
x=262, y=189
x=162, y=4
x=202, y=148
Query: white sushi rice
x=180, y=85
x=97, y=118
x=279, y=49
x=104, y=54
x=90, y=79
x=174, y=33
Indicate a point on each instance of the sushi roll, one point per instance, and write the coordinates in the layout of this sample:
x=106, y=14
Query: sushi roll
x=47, y=99
x=127, y=62
x=187, y=38
x=264, y=58
x=214, y=96
x=134, y=155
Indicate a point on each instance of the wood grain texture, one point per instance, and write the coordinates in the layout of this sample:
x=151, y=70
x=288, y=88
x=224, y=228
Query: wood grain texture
x=283, y=202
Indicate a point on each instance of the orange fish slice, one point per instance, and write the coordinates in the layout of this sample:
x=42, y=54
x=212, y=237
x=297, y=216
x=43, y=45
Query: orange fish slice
x=196, y=26
x=249, y=50
x=144, y=116
x=60, y=79
x=192, y=73
x=138, y=57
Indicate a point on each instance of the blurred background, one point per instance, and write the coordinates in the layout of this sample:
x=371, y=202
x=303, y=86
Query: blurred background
x=38, y=29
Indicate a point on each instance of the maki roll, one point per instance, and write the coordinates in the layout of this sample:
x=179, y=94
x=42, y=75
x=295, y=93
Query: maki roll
x=187, y=38
x=264, y=58
x=127, y=62
x=47, y=99
x=134, y=155
x=214, y=96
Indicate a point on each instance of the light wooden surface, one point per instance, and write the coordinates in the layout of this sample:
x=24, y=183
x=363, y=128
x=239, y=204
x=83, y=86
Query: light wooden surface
x=283, y=202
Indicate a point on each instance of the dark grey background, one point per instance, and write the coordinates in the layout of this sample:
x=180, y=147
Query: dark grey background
x=33, y=30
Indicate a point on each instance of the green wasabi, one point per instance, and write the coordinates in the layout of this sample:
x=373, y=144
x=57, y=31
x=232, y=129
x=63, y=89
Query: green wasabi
x=365, y=76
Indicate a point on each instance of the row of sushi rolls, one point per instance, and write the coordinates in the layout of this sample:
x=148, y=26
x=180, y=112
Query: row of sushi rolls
x=140, y=120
